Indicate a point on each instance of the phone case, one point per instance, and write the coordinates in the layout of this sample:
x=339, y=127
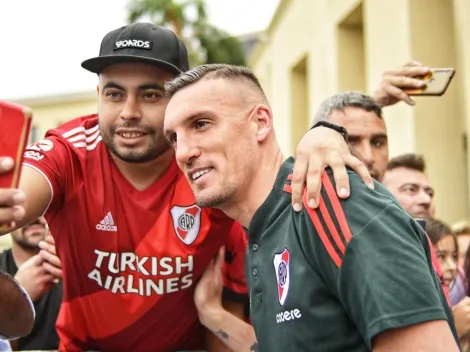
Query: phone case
x=15, y=125
x=437, y=82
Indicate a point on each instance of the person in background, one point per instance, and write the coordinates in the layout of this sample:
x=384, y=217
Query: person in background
x=27, y=264
x=462, y=231
x=447, y=247
x=408, y=182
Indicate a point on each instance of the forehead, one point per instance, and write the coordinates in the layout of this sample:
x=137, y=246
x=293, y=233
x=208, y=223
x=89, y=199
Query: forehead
x=210, y=96
x=134, y=72
x=359, y=122
x=402, y=175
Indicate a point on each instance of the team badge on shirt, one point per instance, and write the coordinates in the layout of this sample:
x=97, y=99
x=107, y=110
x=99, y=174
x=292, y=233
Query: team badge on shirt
x=281, y=266
x=186, y=222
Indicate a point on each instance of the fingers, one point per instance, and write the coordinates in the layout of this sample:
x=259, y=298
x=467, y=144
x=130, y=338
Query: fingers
x=6, y=164
x=340, y=175
x=48, y=245
x=298, y=181
x=397, y=93
x=219, y=259
x=50, y=257
x=315, y=171
x=407, y=71
x=50, y=239
x=361, y=169
x=52, y=270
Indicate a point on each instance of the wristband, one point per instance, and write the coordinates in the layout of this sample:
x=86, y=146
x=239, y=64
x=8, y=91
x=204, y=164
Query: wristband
x=337, y=128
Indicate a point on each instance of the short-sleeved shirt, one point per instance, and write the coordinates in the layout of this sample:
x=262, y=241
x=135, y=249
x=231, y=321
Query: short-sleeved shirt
x=130, y=258
x=44, y=334
x=333, y=278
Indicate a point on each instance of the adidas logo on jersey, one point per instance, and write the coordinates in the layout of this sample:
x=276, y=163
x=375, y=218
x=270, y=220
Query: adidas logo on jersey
x=107, y=224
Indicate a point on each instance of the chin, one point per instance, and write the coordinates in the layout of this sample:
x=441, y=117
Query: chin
x=213, y=200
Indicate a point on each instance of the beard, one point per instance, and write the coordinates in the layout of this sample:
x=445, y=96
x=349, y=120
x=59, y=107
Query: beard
x=156, y=146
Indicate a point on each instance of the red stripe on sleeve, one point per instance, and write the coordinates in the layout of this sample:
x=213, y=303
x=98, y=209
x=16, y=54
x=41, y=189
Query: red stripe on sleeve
x=321, y=232
x=287, y=188
x=337, y=208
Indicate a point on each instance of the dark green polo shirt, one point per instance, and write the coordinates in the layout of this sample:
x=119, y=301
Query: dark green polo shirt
x=333, y=278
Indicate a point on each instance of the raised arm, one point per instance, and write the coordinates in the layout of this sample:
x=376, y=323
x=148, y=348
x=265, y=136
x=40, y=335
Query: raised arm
x=29, y=201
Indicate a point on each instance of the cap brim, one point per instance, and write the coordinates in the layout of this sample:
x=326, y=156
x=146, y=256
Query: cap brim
x=98, y=64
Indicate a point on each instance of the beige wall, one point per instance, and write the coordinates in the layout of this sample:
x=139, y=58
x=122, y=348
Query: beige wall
x=347, y=44
x=51, y=111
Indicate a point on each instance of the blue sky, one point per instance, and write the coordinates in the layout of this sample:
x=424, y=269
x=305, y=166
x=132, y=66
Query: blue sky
x=44, y=41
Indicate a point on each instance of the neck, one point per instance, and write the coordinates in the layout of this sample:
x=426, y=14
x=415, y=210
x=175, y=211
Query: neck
x=244, y=206
x=143, y=175
x=20, y=254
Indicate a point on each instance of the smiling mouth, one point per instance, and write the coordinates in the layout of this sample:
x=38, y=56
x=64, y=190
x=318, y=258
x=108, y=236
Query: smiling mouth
x=200, y=173
x=131, y=135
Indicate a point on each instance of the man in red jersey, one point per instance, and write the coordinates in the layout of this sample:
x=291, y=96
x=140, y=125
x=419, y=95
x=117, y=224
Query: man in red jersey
x=130, y=237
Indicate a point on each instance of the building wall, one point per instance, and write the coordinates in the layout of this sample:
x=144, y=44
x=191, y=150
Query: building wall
x=51, y=111
x=314, y=49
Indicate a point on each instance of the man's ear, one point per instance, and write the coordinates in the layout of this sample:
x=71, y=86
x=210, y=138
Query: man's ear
x=263, y=117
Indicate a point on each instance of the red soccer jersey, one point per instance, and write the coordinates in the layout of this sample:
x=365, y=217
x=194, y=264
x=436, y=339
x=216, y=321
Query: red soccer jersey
x=130, y=258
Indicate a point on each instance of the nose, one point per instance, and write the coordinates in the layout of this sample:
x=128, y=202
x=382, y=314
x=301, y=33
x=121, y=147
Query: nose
x=186, y=152
x=451, y=265
x=424, y=199
x=367, y=154
x=131, y=109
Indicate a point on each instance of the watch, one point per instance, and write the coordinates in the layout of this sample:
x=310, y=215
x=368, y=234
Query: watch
x=337, y=128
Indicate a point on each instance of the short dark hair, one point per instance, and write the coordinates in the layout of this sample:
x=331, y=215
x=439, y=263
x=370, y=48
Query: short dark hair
x=344, y=100
x=437, y=230
x=409, y=161
x=214, y=71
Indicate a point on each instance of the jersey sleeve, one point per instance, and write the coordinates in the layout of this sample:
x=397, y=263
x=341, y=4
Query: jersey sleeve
x=373, y=257
x=52, y=158
x=235, y=288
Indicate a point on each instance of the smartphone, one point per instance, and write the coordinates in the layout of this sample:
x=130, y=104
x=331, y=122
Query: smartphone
x=15, y=126
x=437, y=81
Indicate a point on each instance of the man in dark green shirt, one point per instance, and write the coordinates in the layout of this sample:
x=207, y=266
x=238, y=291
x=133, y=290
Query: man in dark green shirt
x=351, y=275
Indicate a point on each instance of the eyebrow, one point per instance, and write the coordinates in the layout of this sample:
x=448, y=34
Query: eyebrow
x=189, y=119
x=377, y=135
x=141, y=87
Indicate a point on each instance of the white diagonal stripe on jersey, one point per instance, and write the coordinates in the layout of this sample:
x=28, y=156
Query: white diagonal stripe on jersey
x=88, y=146
x=80, y=129
x=94, y=144
x=106, y=220
x=83, y=136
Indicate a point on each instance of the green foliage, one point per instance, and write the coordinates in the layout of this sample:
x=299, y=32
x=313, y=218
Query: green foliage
x=188, y=19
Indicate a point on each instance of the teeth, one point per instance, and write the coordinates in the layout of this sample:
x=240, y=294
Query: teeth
x=198, y=174
x=131, y=134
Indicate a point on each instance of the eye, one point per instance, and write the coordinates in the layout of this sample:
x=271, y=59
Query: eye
x=378, y=142
x=152, y=95
x=173, y=139
x=113, y=94
x=410, y=189
x=200, y=124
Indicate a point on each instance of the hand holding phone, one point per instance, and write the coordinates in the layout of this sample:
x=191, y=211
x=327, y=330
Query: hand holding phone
x=15, y=125
x=437, y=81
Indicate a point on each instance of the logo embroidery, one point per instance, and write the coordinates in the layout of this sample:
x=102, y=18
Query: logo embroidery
x=132, y=43
x=186, y=222
x=281, y=266
x=107, y=224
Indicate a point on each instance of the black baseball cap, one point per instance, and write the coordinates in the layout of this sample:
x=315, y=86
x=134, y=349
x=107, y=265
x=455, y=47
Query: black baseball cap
x=141, y=42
